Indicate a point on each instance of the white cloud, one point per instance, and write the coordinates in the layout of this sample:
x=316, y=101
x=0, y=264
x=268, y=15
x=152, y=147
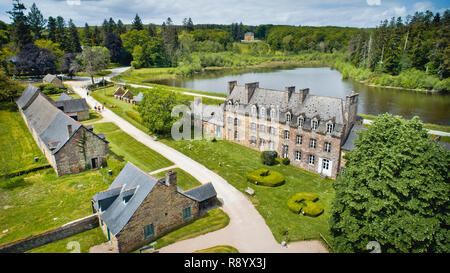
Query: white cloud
x=423, y=6
x=374, y=2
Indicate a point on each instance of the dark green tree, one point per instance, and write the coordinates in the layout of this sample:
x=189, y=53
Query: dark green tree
x=51, y=29
x=87, y=35
x=74, y=45
x=394, y=190
x=137, y=23
x=121, y=29
x=36, y=21
x=20, y=28
x=60, y=34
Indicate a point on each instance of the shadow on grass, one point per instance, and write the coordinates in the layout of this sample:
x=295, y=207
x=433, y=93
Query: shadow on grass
x=13, y=183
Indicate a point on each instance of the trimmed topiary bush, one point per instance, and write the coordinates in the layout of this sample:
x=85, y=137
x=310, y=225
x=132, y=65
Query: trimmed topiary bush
x=269, y=158
x=286, y=161
x=305, y=203
x=265, y=177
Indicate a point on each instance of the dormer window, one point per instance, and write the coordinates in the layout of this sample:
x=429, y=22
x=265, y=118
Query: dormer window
x=254, y=110
x=236, y=105
x=288, y=117
x=300, y=122
x=314, y=124
x=330, y=127
x=230, y=104
x=262, y=112
x=272, y=114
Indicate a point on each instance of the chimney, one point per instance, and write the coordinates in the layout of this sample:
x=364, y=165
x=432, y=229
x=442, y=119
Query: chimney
x=231, y=85
x=289, y=91
x=249, y=90
x=69, y=129
x=171, y=178
x=351, y=107
x=302, y=94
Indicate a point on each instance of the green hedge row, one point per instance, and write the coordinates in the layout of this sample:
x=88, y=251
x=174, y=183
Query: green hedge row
x=134, y=116
x=265, y=177
x=305, y=203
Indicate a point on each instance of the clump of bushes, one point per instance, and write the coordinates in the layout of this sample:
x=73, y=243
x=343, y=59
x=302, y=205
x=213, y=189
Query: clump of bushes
x=265, y=177
x=49, y=89
x=305, y=203
x=269, y=158
x=134, y=116
x=286, y=161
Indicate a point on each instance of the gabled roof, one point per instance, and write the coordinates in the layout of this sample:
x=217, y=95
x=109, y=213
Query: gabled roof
x=49, y=78
x=201, y=193
x=128, y=94
x=64, y=97
x=119, y=92
x=27, y=97
x=117, y=214
x=349, y=144
x=73, y=105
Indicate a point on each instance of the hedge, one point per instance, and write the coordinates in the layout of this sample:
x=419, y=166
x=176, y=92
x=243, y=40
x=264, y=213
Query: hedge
x=305, y=203
x=265, y=177
x=269, y=157
x=134, y=116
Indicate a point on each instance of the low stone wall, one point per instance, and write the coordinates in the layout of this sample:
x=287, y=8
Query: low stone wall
x=64, y=231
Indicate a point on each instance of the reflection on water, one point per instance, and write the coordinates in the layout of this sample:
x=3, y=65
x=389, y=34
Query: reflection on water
x=328, y=82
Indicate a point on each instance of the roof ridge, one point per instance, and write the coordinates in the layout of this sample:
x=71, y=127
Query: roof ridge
x=199, y=186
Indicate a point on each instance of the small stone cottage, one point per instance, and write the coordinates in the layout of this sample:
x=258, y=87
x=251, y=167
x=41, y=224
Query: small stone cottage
x=53, y=79
x=128, y=96
x=138, y=208
x=78, y=109
x=118, y=93
x=69, y=146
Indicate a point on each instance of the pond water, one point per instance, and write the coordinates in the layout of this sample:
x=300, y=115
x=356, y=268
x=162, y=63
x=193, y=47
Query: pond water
x=431, y=108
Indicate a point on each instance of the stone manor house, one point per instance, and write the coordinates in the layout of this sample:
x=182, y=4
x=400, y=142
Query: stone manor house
x=308, y=129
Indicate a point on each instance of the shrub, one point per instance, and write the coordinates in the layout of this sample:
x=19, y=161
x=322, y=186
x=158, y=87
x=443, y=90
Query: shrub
x=265, y=177
x=305, y=203
x=134, y=116
x=286, y=161
x=49, y=89
x=269, y=157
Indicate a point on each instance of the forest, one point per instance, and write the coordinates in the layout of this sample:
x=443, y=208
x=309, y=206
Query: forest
x=411, y=52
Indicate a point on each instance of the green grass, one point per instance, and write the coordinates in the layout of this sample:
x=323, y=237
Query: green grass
x=44, y=201
x=218, y=249
x=56, y=96
x=129, y=149
x=18, y=148
x=184, y=180
x=93, y=117
x=429, y=126
x=237, y=161
x=86, y=240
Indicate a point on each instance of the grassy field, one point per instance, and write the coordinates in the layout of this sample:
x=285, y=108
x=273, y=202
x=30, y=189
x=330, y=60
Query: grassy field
x=18, y=148
x=429, y=126
x=237, y=161
x=129, y=149
x=218, y=249
x=42, y=200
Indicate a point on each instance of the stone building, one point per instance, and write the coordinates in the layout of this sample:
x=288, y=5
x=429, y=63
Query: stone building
x=118, y=93
x=127, y=96
x=138, y=208
x=53, y=79
x=249, y=36
x=78, y=109
x=68, y=146
x=307, y=129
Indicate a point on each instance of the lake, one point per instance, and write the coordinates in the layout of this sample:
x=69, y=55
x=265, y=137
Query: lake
x=431, y=108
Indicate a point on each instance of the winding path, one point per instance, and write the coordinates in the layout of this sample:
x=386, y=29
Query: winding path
x=247, y=230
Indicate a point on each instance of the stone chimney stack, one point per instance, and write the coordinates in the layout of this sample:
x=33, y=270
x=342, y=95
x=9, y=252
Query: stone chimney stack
x=249, y=90
x=171, y=178
x=302, y=94
x=289, y=91
x=231, y=85
x=69, y=129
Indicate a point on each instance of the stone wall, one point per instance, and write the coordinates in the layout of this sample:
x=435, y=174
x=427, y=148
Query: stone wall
x=64, y=231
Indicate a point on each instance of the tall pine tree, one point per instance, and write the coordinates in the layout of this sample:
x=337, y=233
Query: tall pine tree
x=20, y=29
x=36, y=21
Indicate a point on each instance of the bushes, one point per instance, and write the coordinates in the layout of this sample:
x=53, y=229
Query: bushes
x=305, y=203
x=134, y=116
x=269, y=158
x=49, y=89
x=286, y=161
x=265, y=177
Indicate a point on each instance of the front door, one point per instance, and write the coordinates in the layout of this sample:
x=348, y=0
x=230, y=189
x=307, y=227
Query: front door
x=94, y=162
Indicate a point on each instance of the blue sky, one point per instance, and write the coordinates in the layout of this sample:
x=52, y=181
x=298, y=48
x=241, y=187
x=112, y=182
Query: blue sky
x=355, y=13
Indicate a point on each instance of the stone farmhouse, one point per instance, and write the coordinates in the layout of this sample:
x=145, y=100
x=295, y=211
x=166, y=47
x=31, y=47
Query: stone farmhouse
x=308, y=129
x=78, y=109
x=53, y=79
x=69, y=146
x=138, y=208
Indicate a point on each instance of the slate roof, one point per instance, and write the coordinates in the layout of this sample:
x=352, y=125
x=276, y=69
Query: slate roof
x=64, y=97
x=28, y=95
x=73, y=105
x=117, y=214
x=352, y=136
x=119, y=92
x=201, y=193
x=128, y=94
x=139, y=97
x=49, y=78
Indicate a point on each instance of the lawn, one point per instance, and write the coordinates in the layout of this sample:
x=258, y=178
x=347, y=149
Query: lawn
x=42, y=201
x=237, y=161
x=218, y=249
x=129, y=149
x=16, y=143
x=93, y=117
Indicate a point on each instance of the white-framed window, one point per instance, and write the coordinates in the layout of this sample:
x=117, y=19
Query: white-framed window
x=286, y=134
x=273, y=114
x=261, y=142
x=230, y=104
x=262, y=112
x=288, y=117
x=253, y=140
x=236, y=105
x=314, y=124
x=326, y=164
x=330, y=127
x=236, y=135
x=230, y=120
x=300, y=121
x=272, y=130
x=312, y=143
x=254, y=110
x=253, y=126
x=312, y=159
x=299, y=140
x=262, y=128
x=327, y=147
x=236, y=122
x=298, y=156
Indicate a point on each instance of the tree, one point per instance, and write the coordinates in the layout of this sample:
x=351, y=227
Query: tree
x=152, y=30
x=73, y=37
x=60, y=33
x=20, y=29
x=93, y=60
x=9, y=89
x=120, y=28
x=394, y=190
x=156, y=108
x=170, y=38
x=54, y=48
x=137, y=23
x=51, y=29
x=114, y=45
x=36, y=21
x=149, y=54
x=35, y=61
x=87, y=35
x=70, y=65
